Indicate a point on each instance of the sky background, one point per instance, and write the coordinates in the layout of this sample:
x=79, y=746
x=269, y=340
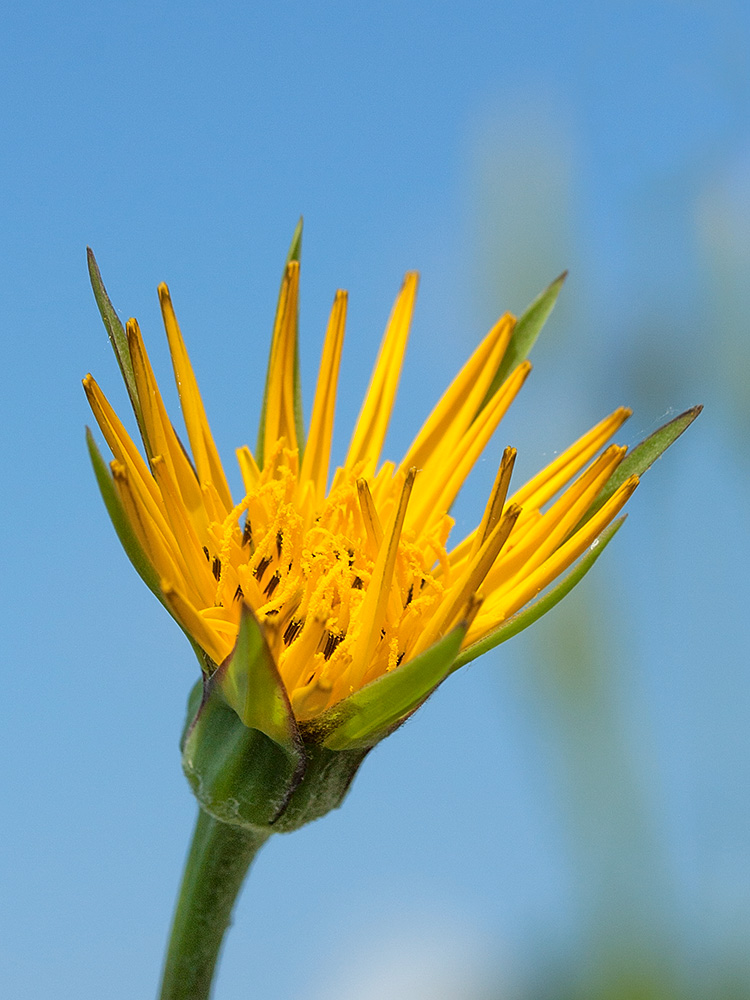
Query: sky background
x=577, y=802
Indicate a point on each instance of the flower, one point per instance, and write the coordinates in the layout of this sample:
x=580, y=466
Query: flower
x=327, y=614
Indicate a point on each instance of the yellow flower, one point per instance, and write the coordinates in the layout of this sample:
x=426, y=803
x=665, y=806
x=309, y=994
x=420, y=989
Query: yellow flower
x=352, y=581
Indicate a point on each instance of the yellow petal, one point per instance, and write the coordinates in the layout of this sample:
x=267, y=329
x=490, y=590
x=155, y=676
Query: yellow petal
x=375, y=415
x=279, y=416
x=461, y=400
x=459, y=595
x=378, y=591
x=498, y=609
x=556, y=523
x=218, y=647
x=545, y=484
x=205, y=455
x=318, y=448
x=441, y=482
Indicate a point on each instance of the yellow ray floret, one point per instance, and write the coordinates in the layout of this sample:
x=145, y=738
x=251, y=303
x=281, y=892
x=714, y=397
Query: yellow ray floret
x=347, y=582
x=318, y=451
x=280, y=420
x=205, y=455
x=375, y=416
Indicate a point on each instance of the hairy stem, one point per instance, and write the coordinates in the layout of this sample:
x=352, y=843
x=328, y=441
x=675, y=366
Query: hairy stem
x=219, y=859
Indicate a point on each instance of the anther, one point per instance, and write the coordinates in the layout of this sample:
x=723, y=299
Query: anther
x=332, y=641
x=247, y=533
x=262, y=567
x=216, y=567
x=292, y=630
x=272, y=585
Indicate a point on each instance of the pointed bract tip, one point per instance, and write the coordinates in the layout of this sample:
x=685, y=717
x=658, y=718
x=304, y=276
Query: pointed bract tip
x=94, y=273
x=295, y=247
x=163, y=292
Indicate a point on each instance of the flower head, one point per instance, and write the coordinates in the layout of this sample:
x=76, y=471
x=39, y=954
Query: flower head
x=330, y=612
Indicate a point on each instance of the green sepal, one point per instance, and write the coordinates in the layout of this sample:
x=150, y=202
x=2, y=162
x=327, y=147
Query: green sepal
x=195, y=699
x=238, y=775
x=119, y=519
x=520, y=621
x=527, y=329
x=641, y=458
x=323, y=786
x=241, y=777
x=116, y=332
x=295, y=253
x=128, y=539
x=372, y=713
x=250, y=683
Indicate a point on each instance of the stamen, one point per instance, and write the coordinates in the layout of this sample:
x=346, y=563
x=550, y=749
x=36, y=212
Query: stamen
x=458, y=597
x=332, y=641
x=494, y=509
x=551, y=529
x=262, y=567
x=293, y=629
x=247, y=534
x=376, y=598
x=507, y=602
x=373, y=526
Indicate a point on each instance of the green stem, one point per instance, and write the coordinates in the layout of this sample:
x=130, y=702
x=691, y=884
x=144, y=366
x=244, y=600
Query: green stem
x=220, y=856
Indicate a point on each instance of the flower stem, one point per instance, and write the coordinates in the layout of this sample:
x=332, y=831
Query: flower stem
x=220, y=856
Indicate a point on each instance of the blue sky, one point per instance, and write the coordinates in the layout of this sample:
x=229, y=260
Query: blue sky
x=489, y=146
